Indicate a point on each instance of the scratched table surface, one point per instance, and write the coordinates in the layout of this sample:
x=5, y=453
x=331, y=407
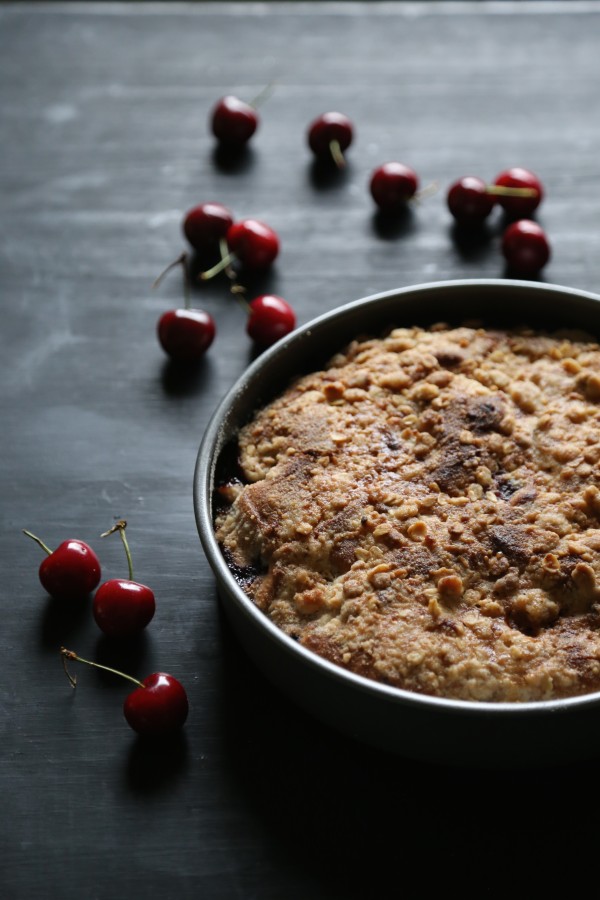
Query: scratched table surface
x=105, y=144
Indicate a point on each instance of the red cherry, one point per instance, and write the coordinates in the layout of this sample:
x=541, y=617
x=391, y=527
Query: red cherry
x=329, y=135
x=253, y=243
x=525, y=247
x=205, y=225
x=392, y=184
x=270, y=319
x=159, y=706
x=233, y=122
x=186, y=334
x=519, y=178
x=123, y=608
x=70, y=572
x=469, y=201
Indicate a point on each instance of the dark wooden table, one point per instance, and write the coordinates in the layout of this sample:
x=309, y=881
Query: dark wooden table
x=104, y=146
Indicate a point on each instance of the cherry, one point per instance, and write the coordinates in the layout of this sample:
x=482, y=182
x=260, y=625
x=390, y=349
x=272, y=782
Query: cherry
x=270, y=318
x=529, y=191
x=184, y=334
x=469, y=200
x=206, y=224
x=525, y=247
x=158, y=706
x=253, y=243
x=249, y=241
x=329, y=135
x=123, y=608
x=233, y=122
x=70, y=572
x=392, y=184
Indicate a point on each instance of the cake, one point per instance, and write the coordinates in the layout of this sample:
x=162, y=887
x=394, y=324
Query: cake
x=425, y=512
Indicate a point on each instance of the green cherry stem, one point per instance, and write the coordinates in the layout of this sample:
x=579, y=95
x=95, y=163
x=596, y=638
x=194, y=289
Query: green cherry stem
x=229, y=270
x=183, y=262
x=186, y=282
x=120, y=526
x=180, y=261
x=238, y=291
x=262, y=95
x=38, y=541
x=428, y=191
x=336, y=152
x=226, y=259
x=69, y=654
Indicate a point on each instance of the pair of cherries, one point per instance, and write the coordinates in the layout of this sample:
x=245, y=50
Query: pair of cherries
x=122, y=608
x=233, y=122
x=392, y=184
x=519, y=192
x=186, y=334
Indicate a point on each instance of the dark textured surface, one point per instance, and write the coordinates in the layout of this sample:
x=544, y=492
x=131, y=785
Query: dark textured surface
x=104, y=145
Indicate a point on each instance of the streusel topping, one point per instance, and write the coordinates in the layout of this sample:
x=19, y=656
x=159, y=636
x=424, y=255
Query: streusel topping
x=425, y=512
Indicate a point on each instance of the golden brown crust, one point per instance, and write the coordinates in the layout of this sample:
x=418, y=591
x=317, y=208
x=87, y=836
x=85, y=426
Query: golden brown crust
x=426, y=512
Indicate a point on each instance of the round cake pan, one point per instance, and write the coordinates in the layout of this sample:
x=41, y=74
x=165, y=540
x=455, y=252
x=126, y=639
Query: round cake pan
x=414, y=725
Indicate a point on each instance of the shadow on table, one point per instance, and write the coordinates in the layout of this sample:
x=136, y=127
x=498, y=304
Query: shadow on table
x=390, y=227
x=472, y=243
x=325, y=175
x=154, y=764
x=61, y=621
x=233, y=161
x=185, y=379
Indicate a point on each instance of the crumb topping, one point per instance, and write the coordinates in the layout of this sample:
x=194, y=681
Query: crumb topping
x=425, y=512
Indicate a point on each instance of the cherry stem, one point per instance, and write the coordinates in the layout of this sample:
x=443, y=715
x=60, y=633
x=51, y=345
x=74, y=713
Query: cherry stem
x=224, y=251
x=183, y=262
x=226, y=259
x=235, y=287
x=426, y=191
x=501, y=190
x=69, y=654
x=262, y=95
x=239, y=292
x=180, y=261
x=38, y=541
x=336, y=152
x=120, y=526
x=186, y=282
x=239, y=296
